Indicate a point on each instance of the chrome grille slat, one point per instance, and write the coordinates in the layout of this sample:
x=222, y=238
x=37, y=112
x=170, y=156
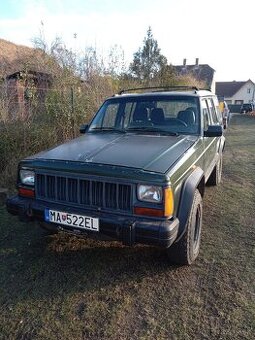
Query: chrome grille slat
x=83, y=192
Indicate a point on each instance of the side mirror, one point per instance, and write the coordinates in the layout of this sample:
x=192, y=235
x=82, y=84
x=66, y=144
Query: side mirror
x=84, y=128
x=213, y=131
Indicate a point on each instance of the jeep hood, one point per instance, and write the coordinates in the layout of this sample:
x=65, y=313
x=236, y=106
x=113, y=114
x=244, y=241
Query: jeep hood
x=153, y=152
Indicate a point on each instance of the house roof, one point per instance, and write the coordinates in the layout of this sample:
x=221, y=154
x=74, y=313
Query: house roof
x=229, y=88
x=202, y=72
x=15, y=57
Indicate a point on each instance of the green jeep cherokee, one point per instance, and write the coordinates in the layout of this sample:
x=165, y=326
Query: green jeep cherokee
x=137, y=174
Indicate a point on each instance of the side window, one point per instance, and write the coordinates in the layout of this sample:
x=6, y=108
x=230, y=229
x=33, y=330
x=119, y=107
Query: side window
x=217, y=109
x=212, y=111
x=205, y=115
x=110, y=115
x=219, y=114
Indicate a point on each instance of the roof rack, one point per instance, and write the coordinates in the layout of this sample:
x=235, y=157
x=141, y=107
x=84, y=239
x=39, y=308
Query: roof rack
x=162, y=88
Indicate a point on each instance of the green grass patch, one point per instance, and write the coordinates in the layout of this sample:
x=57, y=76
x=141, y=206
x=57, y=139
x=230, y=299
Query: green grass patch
x=63, y=287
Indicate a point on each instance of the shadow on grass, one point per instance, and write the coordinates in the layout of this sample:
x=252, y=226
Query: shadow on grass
x=36, y=266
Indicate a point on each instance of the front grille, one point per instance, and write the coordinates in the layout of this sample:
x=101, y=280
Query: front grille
x=83, y=192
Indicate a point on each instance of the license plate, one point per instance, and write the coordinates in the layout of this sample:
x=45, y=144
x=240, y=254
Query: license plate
x=72, y=220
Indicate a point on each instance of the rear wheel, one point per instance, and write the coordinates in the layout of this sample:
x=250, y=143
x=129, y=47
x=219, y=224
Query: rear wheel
x=186, y=250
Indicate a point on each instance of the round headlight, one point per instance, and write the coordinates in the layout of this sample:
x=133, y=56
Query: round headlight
x=150, y=193
x=27, y=177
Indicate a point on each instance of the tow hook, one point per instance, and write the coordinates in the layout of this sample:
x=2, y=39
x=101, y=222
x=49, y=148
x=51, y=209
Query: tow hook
x=128, y=234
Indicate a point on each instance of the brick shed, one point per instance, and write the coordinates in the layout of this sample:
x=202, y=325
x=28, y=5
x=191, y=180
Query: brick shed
x=26, y=91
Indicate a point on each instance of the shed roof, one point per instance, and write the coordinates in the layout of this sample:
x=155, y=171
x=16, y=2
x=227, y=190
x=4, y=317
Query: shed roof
x=30, y=74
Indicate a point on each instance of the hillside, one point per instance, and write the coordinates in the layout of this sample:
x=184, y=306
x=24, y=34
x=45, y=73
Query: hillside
x=17, y=57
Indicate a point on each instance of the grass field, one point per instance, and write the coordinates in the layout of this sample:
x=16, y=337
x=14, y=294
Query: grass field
x=61, y=287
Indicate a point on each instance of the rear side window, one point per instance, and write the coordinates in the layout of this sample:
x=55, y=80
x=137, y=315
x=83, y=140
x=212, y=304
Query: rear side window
x=218, y=109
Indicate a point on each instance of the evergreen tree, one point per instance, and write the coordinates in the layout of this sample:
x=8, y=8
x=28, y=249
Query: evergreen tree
x=148, y=60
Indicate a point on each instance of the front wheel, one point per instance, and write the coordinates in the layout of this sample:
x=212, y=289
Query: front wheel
x=186, y=250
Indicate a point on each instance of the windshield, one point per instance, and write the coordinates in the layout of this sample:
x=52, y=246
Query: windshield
x=168, y=114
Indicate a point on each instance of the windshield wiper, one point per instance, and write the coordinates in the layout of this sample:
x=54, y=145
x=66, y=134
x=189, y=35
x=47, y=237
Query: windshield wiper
x=151, y=129
x=108, y=129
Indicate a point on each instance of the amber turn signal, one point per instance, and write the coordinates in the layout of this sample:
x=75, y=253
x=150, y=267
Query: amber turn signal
x=168, y=202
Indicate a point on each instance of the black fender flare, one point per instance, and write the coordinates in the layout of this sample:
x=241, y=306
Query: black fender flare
x=194, y=181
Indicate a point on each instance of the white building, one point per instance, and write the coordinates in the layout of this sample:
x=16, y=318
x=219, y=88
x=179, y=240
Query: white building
x=236, y=92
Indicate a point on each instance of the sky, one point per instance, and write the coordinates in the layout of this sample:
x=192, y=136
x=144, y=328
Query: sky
x=220, y=32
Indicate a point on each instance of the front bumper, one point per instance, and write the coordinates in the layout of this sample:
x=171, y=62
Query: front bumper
x=126, y=229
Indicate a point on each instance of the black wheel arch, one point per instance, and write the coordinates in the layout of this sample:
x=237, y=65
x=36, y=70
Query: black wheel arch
x=196, y=180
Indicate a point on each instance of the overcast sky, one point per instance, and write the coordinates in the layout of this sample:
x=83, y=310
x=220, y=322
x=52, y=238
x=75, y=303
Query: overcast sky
x=220, y=32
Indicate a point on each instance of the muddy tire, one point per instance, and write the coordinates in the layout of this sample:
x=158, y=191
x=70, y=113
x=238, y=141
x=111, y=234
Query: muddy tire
x=186, y=250
x=215, y=177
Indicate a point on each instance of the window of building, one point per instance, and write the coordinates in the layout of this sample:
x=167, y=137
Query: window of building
x=238, y=102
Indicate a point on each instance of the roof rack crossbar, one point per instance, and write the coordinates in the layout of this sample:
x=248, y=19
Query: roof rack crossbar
x=160, y=88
